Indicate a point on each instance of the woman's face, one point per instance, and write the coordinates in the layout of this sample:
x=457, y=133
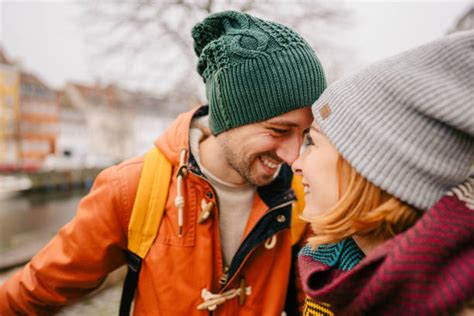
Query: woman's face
x=318, y=167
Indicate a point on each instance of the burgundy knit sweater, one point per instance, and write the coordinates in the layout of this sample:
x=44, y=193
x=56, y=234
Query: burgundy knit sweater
x=428, y=270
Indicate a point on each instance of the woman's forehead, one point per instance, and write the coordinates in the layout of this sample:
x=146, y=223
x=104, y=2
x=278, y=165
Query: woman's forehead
x=315, y=126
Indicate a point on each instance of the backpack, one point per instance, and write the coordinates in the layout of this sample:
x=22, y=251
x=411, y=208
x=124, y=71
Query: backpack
x=148, y=209
x=145, y=220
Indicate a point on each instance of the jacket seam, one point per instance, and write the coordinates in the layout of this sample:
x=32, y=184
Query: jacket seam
x=123, y=200
x=123, y=196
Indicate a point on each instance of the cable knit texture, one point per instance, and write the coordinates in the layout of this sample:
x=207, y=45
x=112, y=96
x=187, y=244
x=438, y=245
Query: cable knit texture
x=254, y=69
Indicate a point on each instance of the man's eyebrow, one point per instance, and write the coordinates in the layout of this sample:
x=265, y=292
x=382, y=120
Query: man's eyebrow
x=282, y=123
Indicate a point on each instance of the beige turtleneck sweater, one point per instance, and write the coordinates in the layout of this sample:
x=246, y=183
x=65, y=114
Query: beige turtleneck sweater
x=234, y=201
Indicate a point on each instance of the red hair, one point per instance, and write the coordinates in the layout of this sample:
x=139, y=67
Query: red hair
x=363, y=210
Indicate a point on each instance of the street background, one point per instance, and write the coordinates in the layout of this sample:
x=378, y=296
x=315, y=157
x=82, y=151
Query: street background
x=86, y=84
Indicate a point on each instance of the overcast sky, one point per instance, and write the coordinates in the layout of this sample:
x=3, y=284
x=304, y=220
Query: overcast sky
x=46, y=36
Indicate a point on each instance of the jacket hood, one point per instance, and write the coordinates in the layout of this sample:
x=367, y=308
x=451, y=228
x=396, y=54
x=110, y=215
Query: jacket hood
x=176, y=137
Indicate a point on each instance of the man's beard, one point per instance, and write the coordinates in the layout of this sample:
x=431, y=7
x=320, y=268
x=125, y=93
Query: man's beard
x=243, y=166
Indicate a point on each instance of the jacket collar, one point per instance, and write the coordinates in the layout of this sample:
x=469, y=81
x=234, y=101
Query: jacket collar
x=176, y=137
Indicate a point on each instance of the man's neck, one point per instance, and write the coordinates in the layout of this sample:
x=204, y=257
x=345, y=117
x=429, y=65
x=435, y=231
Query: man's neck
x=213, y=159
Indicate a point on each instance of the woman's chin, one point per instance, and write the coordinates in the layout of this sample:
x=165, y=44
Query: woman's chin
x=309, y=214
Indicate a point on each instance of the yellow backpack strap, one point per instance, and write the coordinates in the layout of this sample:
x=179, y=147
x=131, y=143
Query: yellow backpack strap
x=149, y=203
x=298, y=226
x=148, y=209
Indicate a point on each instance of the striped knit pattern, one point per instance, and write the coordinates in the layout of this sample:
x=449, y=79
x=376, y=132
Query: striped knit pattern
x=428, y=270
x=254, y=69
x=407, y=123
x=343, y=256
x=314, y=308
x=465, y=193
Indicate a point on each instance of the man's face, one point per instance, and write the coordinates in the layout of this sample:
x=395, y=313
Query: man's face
x=256, y=151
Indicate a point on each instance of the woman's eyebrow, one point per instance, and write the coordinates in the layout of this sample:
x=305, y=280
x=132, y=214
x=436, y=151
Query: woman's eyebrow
x=316, y=129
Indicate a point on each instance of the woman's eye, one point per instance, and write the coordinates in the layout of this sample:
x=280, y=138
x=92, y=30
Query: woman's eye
x=308, y=140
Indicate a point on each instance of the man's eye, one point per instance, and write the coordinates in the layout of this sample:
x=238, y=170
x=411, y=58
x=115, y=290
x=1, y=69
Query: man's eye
x=278, y=131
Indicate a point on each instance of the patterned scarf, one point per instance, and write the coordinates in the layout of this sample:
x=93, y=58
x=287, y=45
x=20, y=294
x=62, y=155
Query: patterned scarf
x=428, y=270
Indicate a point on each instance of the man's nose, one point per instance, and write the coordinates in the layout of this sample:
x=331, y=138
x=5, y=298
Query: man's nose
x=289, y=150
x=296, y=166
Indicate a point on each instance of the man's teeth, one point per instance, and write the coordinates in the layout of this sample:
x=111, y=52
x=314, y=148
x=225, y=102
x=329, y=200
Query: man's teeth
x=307, y=190
x=269, y=164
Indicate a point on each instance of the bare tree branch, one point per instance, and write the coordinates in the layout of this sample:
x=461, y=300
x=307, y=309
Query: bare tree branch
x=150, y=32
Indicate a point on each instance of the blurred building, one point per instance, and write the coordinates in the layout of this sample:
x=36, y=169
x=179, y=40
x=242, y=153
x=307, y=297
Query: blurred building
x=152, y=116
x=38, y=120
x=108, y=119
x=29, y=118
x=82, y=125
x=117, y=123
x=10, y=150
x=73, y=140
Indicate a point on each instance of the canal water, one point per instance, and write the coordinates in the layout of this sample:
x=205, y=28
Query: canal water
x=34, y=218
x=28, y=222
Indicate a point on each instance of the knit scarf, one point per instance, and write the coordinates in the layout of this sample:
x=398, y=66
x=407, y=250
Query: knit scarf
x=428, y=270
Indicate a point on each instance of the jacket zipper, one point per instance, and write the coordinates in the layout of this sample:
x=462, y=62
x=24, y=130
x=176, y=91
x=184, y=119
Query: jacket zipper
x=223, y=279
x=269, y=211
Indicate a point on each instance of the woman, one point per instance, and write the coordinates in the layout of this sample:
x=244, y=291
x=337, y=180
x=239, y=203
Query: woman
x=388, y=194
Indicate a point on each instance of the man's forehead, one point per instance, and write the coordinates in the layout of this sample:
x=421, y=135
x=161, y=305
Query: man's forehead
x=283, y=122
x=296, y=118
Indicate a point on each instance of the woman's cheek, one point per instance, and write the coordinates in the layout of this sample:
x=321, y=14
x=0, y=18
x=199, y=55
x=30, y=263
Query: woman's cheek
x=310, y=211
x=327, y=195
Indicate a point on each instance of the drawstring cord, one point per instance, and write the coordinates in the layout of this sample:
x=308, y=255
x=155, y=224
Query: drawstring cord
x=212, y=300
x=179, y=200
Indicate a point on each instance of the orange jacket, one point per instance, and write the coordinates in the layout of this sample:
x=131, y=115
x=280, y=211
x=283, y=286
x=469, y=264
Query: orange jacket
x=177, y=269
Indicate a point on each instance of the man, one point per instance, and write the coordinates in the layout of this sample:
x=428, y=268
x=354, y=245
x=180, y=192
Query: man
x=260, y=78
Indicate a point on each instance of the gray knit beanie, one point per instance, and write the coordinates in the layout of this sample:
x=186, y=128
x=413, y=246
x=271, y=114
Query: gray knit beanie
x=254, y=69
x=407, y=123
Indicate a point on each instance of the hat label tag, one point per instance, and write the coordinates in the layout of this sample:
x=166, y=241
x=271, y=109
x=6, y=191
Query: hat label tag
x=325, y=111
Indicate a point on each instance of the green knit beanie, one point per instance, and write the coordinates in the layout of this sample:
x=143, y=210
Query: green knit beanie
x=254, y=69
